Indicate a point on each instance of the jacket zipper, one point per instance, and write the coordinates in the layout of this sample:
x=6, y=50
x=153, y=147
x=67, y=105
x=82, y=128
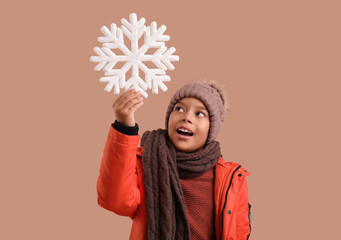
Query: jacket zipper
x=222, y=214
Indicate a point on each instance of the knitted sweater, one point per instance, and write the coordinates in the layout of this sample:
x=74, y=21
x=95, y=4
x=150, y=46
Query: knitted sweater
x=198, y=196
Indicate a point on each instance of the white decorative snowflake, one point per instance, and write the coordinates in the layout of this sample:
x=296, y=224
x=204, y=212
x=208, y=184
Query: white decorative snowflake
x=135, y=57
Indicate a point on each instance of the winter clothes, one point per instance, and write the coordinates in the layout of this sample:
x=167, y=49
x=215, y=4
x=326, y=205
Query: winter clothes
x=163, y=167
x=121, y=189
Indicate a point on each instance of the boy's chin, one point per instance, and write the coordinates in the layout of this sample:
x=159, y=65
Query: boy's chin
x=187, y=149
x=184, y=146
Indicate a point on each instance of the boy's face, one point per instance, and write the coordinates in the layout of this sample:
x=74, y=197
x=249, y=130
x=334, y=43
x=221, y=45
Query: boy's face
x=188, y=125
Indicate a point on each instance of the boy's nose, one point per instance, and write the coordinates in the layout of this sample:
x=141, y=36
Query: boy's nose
x=187, y=118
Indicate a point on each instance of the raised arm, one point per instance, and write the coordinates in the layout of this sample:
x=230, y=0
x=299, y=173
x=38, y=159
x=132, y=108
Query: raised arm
x=117, y=184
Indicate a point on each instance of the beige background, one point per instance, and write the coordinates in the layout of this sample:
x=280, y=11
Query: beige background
x=279, y=61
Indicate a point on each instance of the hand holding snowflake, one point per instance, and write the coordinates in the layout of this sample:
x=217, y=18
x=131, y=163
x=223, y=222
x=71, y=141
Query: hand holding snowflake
x=135, y=57
x=126, y=105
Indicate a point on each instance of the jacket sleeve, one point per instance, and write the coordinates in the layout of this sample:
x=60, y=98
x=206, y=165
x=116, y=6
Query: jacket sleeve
x=243, y=221
x=117, y=183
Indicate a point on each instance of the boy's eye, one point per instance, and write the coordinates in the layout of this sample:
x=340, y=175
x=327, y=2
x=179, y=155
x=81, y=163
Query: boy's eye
x=200, y=114
x=179, y=109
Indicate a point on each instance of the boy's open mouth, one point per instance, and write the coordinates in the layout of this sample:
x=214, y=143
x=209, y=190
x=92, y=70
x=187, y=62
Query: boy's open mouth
x=184, y=131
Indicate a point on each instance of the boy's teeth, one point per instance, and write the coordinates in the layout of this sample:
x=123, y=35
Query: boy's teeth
x=184, y=130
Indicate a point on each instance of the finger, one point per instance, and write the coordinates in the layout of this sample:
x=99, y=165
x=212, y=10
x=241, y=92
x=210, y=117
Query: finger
x=125, y=97
x=136, y=106
x=130, y=95
x=132, y=102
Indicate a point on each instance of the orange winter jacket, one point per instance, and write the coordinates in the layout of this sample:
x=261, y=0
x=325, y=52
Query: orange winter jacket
x=120, y=189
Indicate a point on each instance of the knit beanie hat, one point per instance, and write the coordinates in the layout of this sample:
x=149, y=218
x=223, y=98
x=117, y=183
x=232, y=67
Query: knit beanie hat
x=212, y=100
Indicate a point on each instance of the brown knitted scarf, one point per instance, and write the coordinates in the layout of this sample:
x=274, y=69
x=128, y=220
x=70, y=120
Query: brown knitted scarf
x=162, y=167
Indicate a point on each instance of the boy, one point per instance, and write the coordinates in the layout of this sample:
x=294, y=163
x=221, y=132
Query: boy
x=176, y=185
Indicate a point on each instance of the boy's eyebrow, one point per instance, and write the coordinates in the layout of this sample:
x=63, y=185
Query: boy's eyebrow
x=204, y=108
x=180, y=103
